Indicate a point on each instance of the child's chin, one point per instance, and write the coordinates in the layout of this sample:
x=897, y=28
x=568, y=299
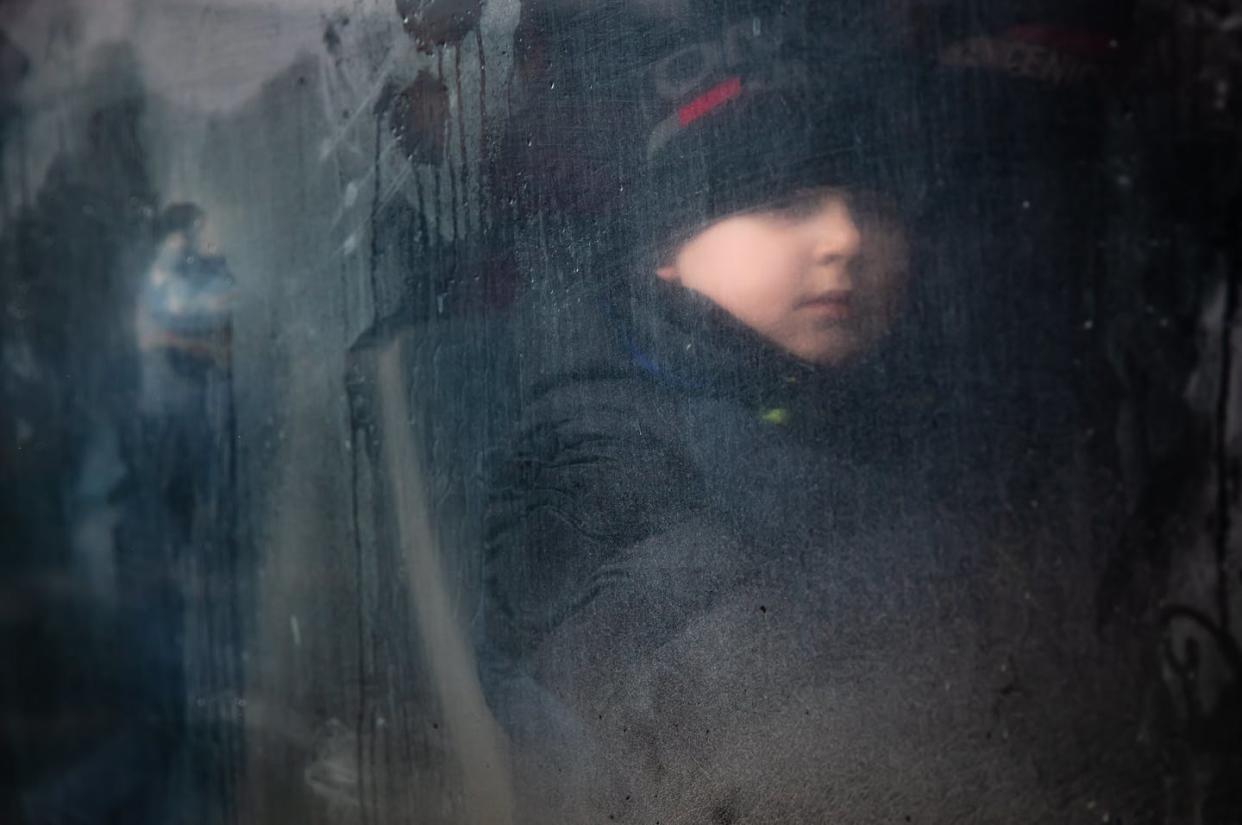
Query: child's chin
x=836, y=359
x=842, y=349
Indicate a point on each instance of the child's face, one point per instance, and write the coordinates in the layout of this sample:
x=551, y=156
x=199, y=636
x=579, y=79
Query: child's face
x=816, y=275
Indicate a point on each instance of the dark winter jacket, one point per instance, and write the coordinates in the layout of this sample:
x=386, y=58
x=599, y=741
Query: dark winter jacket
x=724, y=586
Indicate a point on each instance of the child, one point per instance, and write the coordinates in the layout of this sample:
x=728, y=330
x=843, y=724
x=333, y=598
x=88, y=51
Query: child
x=729, y=573
x=688, y=416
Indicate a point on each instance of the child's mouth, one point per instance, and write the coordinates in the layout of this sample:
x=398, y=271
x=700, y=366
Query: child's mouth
x=836, y=306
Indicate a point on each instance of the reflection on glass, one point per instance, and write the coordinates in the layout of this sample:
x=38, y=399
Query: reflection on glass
x=570, y=411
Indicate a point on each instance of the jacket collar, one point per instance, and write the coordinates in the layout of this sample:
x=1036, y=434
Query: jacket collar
x=684, y=340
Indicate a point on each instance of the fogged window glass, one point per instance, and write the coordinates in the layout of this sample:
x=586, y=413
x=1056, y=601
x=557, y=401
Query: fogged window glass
x=584, y=411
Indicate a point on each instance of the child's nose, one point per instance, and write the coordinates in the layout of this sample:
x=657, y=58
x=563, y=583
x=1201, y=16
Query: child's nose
x=837, y=238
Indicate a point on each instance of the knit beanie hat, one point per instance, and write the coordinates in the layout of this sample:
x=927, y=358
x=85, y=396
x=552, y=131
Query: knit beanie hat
x=756, y=109
x=657, y=123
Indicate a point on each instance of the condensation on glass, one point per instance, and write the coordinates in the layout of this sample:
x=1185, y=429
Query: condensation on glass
x=565, y=411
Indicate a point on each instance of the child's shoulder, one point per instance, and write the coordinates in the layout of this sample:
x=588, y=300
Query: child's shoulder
x=573, y=348
x=584, y=402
